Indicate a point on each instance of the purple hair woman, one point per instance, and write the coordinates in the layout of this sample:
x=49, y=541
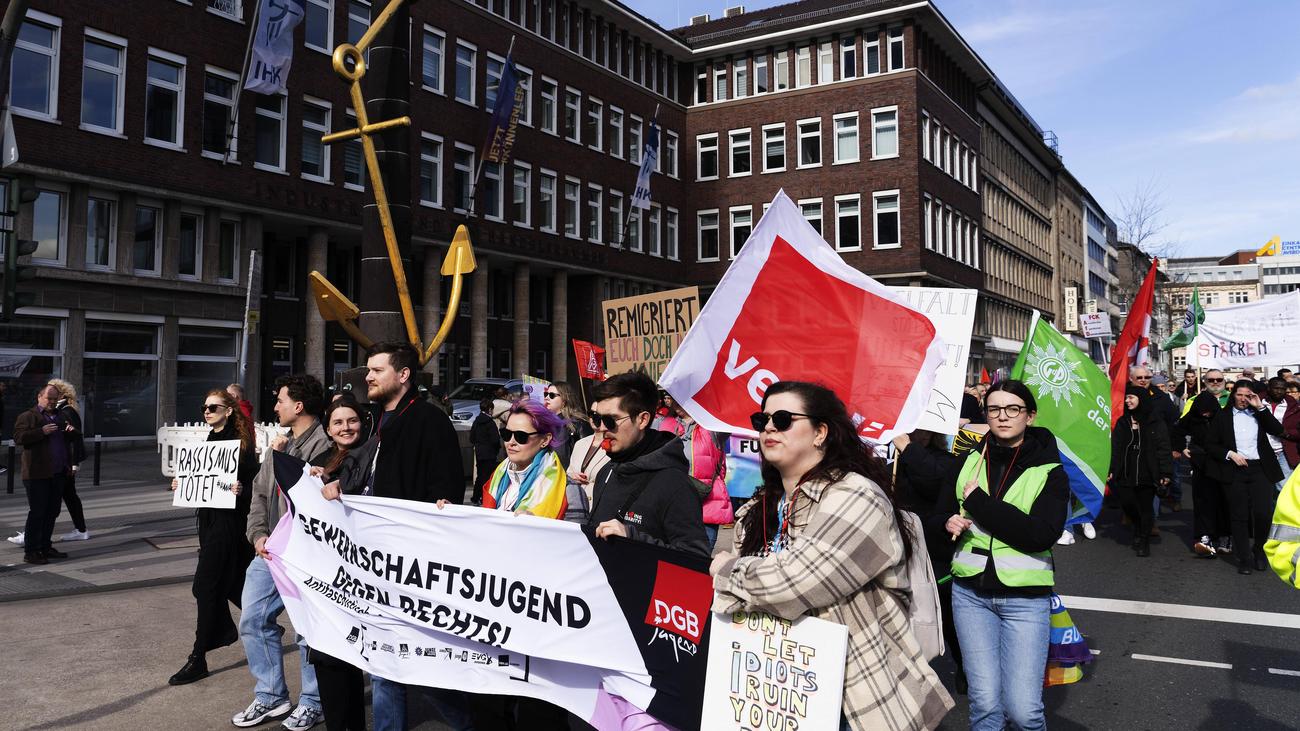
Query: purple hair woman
x=531, y=479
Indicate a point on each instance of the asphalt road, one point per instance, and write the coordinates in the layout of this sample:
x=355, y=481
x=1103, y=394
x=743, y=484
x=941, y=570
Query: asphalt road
x=1184, y=643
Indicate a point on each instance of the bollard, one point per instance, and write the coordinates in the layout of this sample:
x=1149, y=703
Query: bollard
x=10, y=488
x=99, y=450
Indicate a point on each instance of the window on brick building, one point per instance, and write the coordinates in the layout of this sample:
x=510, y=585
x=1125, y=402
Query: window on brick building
x=825, y=63
x=670, y=154
x=885, y=220
x=315, y=124
x=462, y=177
x=896, y=59
x=268, y=132
x=595, y=126
x=595, y=211
x=189, y=264
x=803, y=67
x=572, y=113
x=634, y=140
x=101, y=233
x=742, y=225
x=219, y=88
x=550, y=90
x=708, y=236
x=812, y=212
x=654, y=244
x=720, y=81
x=810, y=142
x=50, y=226
x=670, y=233
x=846, y=137
x=318, y=25
x=466, y=62
x=781, y=70
x=164, y=99
x=871, y=46
x=773, y=147
x=925, y=136
x=233, y=9
x=701, y=83
x=431, y=63
x=103, y=77
x=546, y=200
x=741, y=159
x=740, y=77
x=706, y=150
x=146, y=251
x=354, y=175
x=760, y=74
x=495, y=67
x=848, y=222
x=34, y=72
x=848, y=58
x=572, y=208
x=430, y=170
x=492, y=197
x=884, y=133
x=228, y=250
x=616, y=132
x=614, y=224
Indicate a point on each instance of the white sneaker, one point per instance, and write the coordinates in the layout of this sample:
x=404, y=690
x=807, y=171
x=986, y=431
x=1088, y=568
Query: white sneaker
x=75, y=535
x=17, y=540
x=1089, y=532
x=1067, y=538
x=303, y=718
x=258, y=713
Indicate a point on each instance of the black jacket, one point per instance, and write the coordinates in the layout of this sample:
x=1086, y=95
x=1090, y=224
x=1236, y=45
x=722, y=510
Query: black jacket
x=75, y=440
x=1221, y=439
x=1141, y=456
x=419, y=454
x=574, y=431
x=649, y=490
x=1190, y=430
x=923, y=473
x=485, y=436
x=220, y=524
x=351, y=473
x=1029, y=532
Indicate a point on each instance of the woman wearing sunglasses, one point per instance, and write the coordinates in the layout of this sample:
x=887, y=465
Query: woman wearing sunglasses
x=823, y=537
x=562, y=400
x=530, y=479
x=224, y=552
x=1004, y=511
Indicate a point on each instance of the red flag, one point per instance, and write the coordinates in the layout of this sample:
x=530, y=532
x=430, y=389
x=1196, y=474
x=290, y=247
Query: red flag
x=1131, y=347
x=789, y=308
x=984, y=376
x=591, y=360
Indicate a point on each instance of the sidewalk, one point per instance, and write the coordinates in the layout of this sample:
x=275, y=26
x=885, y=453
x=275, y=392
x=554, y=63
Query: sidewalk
x=136, y=537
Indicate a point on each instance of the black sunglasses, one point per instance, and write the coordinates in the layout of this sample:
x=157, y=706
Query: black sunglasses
x=213, y=408
x=781, y=419
x=551, y=394
x=608, y=422
x=1214, y=380
x=520, y=437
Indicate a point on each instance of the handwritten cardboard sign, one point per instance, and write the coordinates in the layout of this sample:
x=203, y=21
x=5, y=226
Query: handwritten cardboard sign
x=643, y=332
x=206, y=472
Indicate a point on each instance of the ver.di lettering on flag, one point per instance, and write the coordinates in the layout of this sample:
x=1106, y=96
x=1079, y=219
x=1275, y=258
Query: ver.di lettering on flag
x=789, y=308
x=268, y=70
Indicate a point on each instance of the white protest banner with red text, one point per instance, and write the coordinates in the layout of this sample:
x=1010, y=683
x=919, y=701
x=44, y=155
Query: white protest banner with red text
x=789, y=308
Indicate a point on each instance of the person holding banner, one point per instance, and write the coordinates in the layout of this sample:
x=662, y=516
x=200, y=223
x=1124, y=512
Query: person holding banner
x=223, y=552
x=1139, y=460
x=1005, y=511
x=531, y=478
x=823, y=536
x=562, y=399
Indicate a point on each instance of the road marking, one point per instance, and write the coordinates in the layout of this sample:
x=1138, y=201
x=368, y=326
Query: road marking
x=1182, y=661
x=1276, y=671
x=1184, y=611
x=1095, y=652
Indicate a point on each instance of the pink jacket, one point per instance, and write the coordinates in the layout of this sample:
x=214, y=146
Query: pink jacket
x=707, y=463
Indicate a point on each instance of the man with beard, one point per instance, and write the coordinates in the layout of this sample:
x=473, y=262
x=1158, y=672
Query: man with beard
x=414, y=455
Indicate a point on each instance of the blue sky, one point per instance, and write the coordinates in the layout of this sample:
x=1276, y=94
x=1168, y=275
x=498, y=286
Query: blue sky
x=1198, y=100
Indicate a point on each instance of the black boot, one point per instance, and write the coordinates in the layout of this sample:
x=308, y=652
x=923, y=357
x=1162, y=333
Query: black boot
x=1144, y=548
x=196, y=668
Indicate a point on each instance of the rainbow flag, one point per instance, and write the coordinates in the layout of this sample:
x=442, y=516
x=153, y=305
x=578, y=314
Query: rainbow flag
x=1066, y=650
x=542, y=492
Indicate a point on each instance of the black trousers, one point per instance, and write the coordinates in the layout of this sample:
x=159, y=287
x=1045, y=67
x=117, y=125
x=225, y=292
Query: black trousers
x=342, y=692
x=1251, y=498
x=44, y=498
x=73, y=502
x=218, y=582
x=1210, y=507
x=949, y=626
x=485, y=469
x=1136, y=501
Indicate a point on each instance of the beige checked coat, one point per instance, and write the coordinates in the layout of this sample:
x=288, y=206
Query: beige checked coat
x=845, y=564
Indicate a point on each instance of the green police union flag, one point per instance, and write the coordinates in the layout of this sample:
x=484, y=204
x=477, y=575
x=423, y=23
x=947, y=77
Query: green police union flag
x=1192, y=320
x=1073, y=397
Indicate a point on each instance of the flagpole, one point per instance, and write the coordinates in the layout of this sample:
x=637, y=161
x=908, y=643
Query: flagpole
x=478, y=169
x=622, y=239
x=233, y=126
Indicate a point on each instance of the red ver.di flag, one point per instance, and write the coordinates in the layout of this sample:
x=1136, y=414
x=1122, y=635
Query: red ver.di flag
x=789, y=308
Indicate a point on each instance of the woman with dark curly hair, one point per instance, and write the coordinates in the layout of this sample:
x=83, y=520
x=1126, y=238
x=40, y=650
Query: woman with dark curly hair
x=823, y=536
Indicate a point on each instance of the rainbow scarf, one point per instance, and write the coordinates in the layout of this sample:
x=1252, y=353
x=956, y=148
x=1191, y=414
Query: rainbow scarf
x=1067, y=651
x=542, y=491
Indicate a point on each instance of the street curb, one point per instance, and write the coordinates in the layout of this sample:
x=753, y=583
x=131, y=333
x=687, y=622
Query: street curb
x=82, y=590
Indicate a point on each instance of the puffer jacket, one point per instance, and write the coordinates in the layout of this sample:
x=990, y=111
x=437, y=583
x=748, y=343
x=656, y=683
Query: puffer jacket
x=708, y=465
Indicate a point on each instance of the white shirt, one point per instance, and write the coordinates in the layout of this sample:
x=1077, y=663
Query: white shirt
x=1279, y=411
x=516, y=478
x=1246, y=430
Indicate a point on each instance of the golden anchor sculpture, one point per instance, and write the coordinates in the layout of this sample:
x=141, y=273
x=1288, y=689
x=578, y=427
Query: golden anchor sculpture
x=333, y=305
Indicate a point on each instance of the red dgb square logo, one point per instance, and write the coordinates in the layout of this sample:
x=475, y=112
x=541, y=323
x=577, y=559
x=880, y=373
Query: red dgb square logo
x=680, y=602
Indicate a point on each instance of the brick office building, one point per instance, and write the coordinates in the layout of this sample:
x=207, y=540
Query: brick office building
x=870, y=114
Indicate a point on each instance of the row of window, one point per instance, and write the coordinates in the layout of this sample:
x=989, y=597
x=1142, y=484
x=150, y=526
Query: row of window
x=1005, y=158
x=846, y=210
x=1009, y=218
x=148, y=224
x=731, y=78
x=557, y=204
x=845, y=144
x=941, y=146
x=949, y=232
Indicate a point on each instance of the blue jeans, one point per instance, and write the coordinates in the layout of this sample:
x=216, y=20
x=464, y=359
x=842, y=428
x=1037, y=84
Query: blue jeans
x=1004, y=651
x=711, y=533
x=388, y=701
x=261, y=637
x=1287, y=469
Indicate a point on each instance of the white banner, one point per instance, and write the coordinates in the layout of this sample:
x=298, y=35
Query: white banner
x=273, y=45
x=488, y=602
x=206, y=472
x=769, y=673
x=1266, y=332
x=952, y=311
